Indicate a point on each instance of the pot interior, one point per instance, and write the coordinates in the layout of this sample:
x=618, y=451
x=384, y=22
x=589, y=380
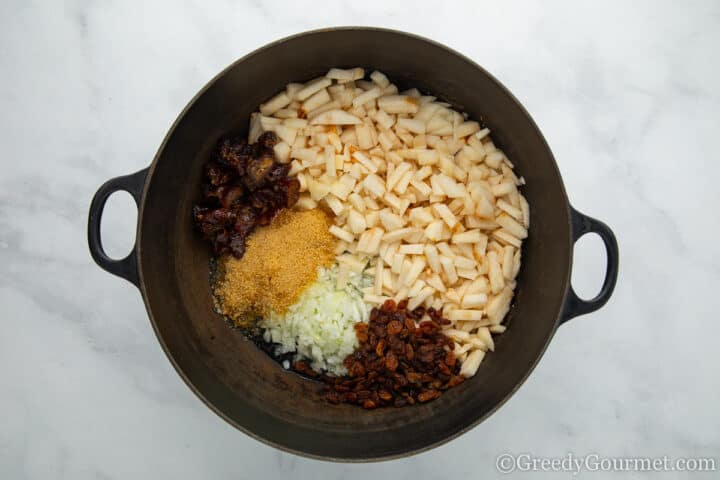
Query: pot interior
x=242, y=383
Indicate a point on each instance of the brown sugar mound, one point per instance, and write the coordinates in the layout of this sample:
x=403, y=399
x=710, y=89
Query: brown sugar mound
x=280, y=261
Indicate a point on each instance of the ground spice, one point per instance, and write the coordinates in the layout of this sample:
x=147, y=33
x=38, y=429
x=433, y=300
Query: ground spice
x=280, y=261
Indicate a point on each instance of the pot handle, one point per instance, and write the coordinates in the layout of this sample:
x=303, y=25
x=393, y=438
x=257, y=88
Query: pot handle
x=127, y=267
x=582, y=224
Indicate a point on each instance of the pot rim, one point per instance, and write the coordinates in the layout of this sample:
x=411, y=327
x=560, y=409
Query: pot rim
x=167, y=351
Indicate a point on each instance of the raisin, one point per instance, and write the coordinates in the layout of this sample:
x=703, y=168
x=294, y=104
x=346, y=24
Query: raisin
x=410, y=324
x=428, y=395
x=456, y=380
x=391, y=362
x=380, y=348
x=357, y=370
x=363, y=394
x=394, y=327
x=450, y=359
x=413, y=377
x=409, y=352
x=389, y=305
x=397, y=361
x=385, y=395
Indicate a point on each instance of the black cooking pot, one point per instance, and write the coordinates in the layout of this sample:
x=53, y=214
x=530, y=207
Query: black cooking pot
x=243, y=385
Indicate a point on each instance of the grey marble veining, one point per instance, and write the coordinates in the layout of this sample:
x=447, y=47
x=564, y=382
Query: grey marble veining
x=626, y=94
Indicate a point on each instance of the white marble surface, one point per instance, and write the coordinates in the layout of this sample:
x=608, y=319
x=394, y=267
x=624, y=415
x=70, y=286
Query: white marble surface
x=626, y=94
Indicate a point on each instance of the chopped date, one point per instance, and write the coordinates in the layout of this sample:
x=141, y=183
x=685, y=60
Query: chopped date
x=398, y=361
x=243, y=187
x=217, y=174
x=234, y=152
x=256, y=171
x=236, y=244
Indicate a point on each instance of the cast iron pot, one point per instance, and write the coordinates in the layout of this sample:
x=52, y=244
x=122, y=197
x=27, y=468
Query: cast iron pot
x=169, y=263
